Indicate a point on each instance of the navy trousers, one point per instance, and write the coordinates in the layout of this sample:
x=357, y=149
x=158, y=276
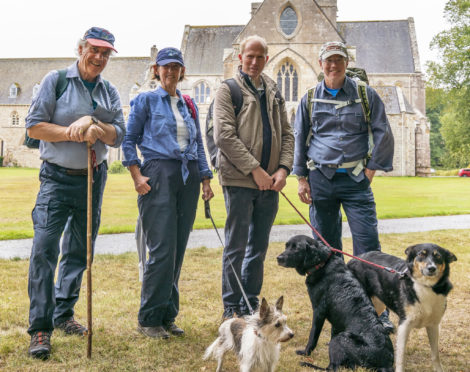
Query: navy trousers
x=62, y=199
x=358, y=203
x=167, y=212
x=250, y=216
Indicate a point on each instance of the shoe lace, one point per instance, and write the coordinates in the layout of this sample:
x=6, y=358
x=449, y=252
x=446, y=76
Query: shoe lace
x=42, y=338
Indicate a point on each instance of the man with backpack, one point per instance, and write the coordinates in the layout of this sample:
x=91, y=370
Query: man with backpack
x=255, y=156
x=342, y=136
x=73, y=107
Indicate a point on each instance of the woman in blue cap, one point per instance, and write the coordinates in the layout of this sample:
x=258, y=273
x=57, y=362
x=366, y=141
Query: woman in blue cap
x=164, y=125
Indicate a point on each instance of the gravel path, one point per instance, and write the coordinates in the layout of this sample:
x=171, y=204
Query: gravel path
x=120, y=243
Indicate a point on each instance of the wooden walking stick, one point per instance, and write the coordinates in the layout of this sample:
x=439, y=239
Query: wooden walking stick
x=89, y=247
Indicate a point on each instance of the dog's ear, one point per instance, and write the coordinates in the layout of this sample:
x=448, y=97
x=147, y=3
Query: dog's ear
x=411, y=252
x=450, y=257
x=263, y=309
x=279, y=303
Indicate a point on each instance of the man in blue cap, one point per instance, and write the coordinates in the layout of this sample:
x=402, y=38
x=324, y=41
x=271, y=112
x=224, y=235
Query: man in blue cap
x=73, y=106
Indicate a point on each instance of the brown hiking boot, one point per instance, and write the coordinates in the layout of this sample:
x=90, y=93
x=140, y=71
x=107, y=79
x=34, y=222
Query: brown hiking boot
x=72, y=327
x=40, y=346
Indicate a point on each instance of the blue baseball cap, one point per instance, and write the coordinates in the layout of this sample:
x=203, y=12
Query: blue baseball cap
x=100, y=37
x=169, y=55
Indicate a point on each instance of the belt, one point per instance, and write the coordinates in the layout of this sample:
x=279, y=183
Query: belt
x=358, y=165
x=70, y=171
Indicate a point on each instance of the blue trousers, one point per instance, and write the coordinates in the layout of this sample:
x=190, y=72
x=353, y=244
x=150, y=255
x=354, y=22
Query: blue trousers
x=167, y=212
x=62, y=199
x=250, y=216
x=358, y=203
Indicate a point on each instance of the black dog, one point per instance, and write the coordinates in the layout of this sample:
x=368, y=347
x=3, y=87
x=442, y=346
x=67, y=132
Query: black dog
x=358, y=339
x=418, y=298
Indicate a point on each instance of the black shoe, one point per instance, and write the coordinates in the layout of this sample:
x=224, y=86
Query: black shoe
x=154, y=332
x=229, y=313
x=388, y=325
x=40, y=346
x=173, y=329
x=72, y=327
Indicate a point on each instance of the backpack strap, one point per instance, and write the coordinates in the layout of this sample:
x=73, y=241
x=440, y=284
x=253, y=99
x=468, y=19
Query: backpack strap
x=189, y=102
x=310, y=101
x=361, y=87
x=62, y=83
x=236, y=94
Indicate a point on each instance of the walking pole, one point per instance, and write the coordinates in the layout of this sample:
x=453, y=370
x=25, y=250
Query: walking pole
x=89, y=248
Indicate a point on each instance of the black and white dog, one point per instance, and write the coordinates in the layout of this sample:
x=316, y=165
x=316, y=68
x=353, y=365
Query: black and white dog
x=358, y=338
x=418, y=298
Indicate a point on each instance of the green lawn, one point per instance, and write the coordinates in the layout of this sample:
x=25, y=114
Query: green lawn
x=396, y=197
x=116, y=294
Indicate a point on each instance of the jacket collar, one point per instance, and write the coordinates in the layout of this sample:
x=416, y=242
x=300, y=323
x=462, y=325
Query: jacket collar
x=349, y=87
x=72, y=72
x=163, y=93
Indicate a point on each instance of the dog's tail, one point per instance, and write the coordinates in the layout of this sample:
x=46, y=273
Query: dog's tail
x=210, y=350
x=310, y=365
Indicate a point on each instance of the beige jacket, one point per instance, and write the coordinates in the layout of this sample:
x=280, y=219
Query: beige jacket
x=239, y=139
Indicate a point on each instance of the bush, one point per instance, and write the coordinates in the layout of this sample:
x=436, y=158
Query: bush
x=117, y=167
x=1, y=161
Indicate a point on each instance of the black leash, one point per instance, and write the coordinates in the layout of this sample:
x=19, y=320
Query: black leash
x=207, y=211
x=389, y=269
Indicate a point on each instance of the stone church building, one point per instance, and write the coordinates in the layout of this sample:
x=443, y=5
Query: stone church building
x=295, y=31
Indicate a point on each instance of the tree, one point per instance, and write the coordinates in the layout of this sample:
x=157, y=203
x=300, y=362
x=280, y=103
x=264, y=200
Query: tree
x=435, y=99
x=452, y=74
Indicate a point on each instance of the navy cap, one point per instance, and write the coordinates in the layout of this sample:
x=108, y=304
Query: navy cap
x=169, y=55
x=100, y=37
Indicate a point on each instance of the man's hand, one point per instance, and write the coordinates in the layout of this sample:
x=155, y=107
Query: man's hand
x=93, y=133
x=304, y=191
x=369, y=173
x=263, y=180
x=279, y=178
x=207, y=193
x=76, y=131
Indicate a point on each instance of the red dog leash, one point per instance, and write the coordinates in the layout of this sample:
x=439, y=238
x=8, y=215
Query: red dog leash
x=389, y=269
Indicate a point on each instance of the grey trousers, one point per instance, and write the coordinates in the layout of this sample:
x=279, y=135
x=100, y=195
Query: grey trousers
x=250, y=216
x=168, y=212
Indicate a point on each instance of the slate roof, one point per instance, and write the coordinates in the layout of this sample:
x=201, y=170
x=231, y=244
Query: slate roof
x=205, y=48
x=123, y=72
x=381, y=46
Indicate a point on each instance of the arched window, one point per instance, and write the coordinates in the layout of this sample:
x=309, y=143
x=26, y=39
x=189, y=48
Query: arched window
x=13, y=90
x=202, y=93
x=288, y=82
x=288, y=21
x=15, y=119
x=35, y=90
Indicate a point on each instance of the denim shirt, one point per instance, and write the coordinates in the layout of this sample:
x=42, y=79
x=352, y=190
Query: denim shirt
x=152, y=127
x=74, y=103
x=341, y=135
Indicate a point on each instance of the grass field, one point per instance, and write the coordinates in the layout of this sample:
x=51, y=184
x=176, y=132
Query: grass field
x=396, y=197
x=118, y=347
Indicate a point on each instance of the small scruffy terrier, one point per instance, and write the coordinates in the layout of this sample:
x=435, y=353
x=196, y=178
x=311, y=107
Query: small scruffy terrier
x=255, y=339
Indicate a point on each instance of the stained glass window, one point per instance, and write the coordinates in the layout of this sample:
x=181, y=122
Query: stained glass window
x=288, y=21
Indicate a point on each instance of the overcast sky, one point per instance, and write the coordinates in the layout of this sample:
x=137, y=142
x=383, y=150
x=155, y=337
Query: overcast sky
x=51, y=28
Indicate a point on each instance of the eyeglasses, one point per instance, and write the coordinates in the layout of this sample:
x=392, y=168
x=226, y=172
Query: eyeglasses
x=171, y=66
x=336, y=61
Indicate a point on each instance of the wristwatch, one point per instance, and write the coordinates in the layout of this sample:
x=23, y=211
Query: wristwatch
x=94, y=120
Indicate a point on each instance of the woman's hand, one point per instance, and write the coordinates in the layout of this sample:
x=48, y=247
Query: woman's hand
x=207, y=193
x=140, y=181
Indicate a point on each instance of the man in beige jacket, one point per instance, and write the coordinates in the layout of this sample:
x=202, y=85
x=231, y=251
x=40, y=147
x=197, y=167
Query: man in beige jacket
x=256, y=149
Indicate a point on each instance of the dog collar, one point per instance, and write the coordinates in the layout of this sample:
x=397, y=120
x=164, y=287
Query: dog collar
x=318, y=266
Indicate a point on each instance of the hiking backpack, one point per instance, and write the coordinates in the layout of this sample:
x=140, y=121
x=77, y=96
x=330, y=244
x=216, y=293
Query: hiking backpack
x=61, y=86
x=237, y=102
x=360, y=78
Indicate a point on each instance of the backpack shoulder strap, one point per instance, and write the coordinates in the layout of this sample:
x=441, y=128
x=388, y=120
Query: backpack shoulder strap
x=189, y=102
x=62, y=83
x=361, y=87
x=236, y=93
x=310, y=97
